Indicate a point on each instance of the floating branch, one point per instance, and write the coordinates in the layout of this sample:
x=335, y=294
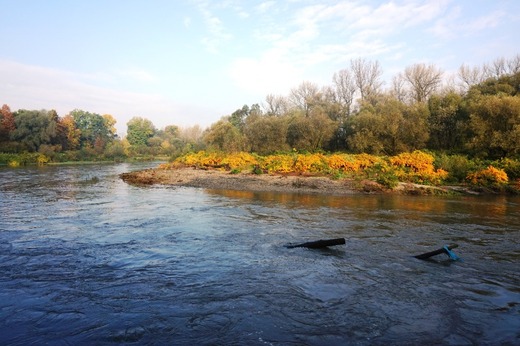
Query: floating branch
x=319, y=243
x=445, y=250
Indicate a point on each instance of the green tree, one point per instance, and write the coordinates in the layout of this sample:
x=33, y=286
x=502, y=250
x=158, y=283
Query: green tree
x=266, y=134
x=34, y=128
x=386, y=125
x=446, y=122
x=224, y=136
x=92, y=128
x=311, y=132
x=495, y=124
x=139, y=131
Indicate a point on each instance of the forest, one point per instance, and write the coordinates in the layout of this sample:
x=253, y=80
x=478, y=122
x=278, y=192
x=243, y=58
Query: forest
x=473, y=115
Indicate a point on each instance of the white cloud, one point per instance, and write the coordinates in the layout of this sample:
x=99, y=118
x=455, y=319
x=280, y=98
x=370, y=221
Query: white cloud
x=453, y=25
x=215, y=27
x=36, y=87
x=265, y=6
x=265, y=75
x=187, y=22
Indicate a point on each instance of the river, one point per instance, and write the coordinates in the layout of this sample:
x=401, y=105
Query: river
x=86, y=259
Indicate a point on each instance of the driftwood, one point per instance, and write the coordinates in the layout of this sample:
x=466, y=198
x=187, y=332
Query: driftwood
x=319, y=243
x=436, y=252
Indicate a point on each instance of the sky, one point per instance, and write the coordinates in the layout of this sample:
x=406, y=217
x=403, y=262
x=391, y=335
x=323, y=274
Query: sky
x=190, y=62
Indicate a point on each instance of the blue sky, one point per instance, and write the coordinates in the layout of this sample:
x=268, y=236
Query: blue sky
x=191, y=62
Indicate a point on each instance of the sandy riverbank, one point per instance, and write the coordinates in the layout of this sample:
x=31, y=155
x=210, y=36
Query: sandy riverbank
x=216, y=179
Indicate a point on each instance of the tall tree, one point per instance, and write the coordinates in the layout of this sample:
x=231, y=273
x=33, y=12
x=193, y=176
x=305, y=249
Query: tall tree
x=93, y=128
x=71, y=135
x=266, y=134
x=224, y=136
x=423, y=80
x=303, y=96
x=445, y=122
x=367, y=76
x=34, y=128
x=139, y=131
x=345, y=86
x=495, y=122
x=275, y=105
x=7, y=123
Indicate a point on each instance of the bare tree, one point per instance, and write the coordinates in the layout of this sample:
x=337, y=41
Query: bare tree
x=513, y=64
x=423, y=80
x=496, y=69
x=367, y=76
x=275, y=105
x=399, y=88
x=469, y=76
x=303, y=96
x=345, y=89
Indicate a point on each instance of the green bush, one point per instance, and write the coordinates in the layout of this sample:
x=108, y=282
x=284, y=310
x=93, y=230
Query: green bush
x=457, y=166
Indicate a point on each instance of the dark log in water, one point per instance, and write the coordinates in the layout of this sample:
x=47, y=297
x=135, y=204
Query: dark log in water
x=436, y=252
x=319, y=243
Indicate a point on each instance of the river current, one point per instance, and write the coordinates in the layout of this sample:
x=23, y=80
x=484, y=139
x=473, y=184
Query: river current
x=86, y=259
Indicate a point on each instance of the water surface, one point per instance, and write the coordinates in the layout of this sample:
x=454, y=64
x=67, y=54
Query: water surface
x=88, y=259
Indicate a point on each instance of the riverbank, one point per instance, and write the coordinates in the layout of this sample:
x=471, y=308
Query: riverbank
x=217, y=179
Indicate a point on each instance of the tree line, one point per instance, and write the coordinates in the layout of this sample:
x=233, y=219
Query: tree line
x=475, y=113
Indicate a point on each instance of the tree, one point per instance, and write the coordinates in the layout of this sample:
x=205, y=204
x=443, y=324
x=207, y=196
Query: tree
x=345, y=87
x=68, y=136
x=423, y=80
x=275, y=105
x=303, y=96
x=139, y=130
x=238, y=117
x=495, y=124
x=7, y=123
x=470, y=76
x=367, y=77
x=266, y=134
x=388, y=126
x=445, y=122
x=224, y=136
x=310, y=132
x=34, y=128
x=110, y=123
x=93, y=128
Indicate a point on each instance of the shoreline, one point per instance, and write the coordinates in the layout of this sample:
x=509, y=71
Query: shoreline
x=224, y=180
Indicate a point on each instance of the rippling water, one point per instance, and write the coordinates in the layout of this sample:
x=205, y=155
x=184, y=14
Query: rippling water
x=87, y=259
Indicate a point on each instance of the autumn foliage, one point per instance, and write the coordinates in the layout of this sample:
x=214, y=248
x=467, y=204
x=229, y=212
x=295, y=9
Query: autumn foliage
x=491, y=176
x=407, y=167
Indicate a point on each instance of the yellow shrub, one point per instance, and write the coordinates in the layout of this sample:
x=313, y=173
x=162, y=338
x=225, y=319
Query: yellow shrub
x=365, y=161
x=342, y=163
x=314, y=163
x=278, y=163
x=239, y=160
x=417, y=167
x=201, y=159
x=490, y=176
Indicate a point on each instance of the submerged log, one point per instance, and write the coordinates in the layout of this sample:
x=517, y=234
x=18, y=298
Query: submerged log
x=319, y=243
x=436, y=252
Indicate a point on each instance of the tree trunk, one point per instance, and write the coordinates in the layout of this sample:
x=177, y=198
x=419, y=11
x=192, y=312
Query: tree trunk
x=319, y=243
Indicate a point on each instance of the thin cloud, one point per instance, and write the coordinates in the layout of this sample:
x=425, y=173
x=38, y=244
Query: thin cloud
x=37, y=87
x=452, y=26
x=216, y=31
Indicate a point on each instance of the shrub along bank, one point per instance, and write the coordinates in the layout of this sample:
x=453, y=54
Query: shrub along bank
x=418, y=167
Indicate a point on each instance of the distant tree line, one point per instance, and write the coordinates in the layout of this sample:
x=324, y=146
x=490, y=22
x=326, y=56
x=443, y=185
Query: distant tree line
x=476, y=113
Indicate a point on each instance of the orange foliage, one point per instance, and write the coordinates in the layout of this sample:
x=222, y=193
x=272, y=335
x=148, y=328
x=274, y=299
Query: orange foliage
x=417, y=167
x=490, y=176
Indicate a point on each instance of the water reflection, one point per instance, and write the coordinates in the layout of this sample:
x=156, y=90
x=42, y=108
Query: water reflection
x=96, y=261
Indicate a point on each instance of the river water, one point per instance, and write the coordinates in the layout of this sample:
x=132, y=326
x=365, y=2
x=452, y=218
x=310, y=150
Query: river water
x=88, y=259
